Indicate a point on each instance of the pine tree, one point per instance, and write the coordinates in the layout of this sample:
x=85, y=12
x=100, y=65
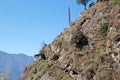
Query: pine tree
x=83, y=2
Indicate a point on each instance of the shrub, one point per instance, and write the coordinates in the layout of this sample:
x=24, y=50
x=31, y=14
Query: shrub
x=103, y=29
x=56, y=57
x=79, y=39
x=58, y=43
x=34, y=71
x=114, y=1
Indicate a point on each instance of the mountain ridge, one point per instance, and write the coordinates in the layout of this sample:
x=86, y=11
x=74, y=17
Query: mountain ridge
x=13, y=64
x=88, y=50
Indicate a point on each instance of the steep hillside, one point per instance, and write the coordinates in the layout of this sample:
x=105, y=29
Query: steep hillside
x=13, y=64
x=88, y=50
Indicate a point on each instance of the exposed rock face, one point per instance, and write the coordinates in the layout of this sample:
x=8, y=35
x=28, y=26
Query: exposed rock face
x=98, y=60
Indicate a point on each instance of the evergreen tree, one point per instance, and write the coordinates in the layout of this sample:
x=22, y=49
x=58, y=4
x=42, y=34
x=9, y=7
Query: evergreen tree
x=83, y=2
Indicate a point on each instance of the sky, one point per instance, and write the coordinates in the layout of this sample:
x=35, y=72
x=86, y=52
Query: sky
x=26, y=24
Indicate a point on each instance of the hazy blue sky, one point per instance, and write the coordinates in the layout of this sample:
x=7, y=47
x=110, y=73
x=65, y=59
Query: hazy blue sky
x=25, y=24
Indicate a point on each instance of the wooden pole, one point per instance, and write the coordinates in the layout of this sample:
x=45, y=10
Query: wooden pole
x=69, y=15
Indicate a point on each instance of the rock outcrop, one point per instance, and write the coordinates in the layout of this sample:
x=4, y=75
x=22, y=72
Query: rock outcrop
x=99, y=59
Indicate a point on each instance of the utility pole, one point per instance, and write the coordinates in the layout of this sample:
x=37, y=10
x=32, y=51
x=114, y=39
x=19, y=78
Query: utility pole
x=69, y=15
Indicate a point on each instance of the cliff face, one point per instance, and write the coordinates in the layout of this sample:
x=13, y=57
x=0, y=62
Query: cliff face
x=88, y=50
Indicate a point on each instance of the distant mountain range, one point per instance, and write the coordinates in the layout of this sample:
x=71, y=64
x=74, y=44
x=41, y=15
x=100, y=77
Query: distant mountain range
x=13, y=64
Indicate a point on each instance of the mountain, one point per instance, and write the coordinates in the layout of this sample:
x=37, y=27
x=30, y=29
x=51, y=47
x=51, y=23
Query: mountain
x=13, y=64
x=88, y=50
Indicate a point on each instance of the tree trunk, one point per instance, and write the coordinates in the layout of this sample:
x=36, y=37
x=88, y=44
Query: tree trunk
x=85, y=7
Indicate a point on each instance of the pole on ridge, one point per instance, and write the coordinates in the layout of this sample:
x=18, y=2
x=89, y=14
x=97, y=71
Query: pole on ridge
x=69, y=15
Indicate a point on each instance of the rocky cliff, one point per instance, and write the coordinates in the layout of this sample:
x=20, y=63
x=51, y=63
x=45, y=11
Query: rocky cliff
x=88, y=50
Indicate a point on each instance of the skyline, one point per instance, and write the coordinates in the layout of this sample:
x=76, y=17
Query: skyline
x=26, y=24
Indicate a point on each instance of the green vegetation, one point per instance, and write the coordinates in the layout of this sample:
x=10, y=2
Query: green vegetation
x=103, y=29
x=55, y=71
x=83, y=2
x=79, y=39
x=40, y=68
x=58, y=43
x=3, y=77
x=41, y=65
x=114, y=1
